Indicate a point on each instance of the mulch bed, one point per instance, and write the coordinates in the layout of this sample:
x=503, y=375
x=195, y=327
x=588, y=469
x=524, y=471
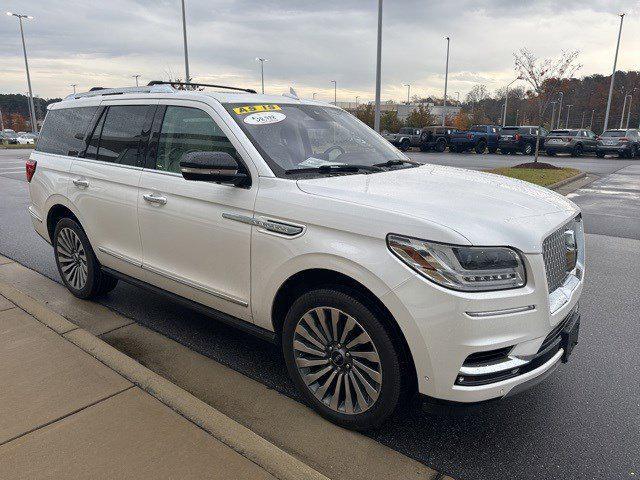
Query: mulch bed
x=543, y=165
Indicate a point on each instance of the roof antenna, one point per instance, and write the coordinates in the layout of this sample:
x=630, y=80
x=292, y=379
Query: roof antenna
x=292, y=94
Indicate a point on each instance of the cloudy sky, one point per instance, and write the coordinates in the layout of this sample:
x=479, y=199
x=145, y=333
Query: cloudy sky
x=308, y=43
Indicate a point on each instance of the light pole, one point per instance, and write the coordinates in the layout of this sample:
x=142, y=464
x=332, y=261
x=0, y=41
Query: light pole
x=613, y=75
x=74, y=85
x=457, y=96
x=408, y=85
x=32, y=110
x=262, y=60
x=624, y=107
x=136, y=76
x=376, y=117
x=582, y=122
x=553, y=114
x=1, y=122
x=593, y=112
x=629, y=111
x=566, y=124
x=506, y=98
x=335, y=92
x=517, y=114
x=314, y=95
x=357, y=97
x=187, y=78
x=560, y=107
x=446, y=80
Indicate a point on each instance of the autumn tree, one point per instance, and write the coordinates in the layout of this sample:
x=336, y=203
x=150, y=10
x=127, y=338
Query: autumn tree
x=542, y=75
x=420, y=117
x=390, y=122
x=461, y=121
x=365, y=113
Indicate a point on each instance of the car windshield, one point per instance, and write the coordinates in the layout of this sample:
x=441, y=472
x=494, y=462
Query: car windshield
x=614, y=133
x=406, y=130
x=565, y=133
x=293, y=137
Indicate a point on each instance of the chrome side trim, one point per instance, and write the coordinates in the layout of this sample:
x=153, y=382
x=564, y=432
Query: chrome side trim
x=106, y=164
x=120, y=256
x=195, y=285
x=34, y=214
x=270, y=225
x=506, y=311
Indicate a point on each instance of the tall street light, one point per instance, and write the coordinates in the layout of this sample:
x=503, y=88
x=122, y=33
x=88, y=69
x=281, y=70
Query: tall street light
x=136, y=76
x=376, y=118
x=408, y=85
x=446, y=80
x=357, y=97
x=560, y=107
x=613, y=75
x=593, y=112
x=262, y=60
x=553, y=114
x=32, y=110
x=582, y=122
x=624, y=108
x=335, y=92
x=314, y=95
x=566, y=124
x=506, y=98
x=187, y=77
x=74, y=85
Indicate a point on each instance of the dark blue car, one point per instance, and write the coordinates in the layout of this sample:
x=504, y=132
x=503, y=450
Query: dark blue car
x=478, y=138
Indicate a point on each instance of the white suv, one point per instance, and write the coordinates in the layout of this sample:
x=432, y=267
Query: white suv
x=294, y=221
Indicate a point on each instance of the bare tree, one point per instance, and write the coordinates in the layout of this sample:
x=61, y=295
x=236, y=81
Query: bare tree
x=544, y=76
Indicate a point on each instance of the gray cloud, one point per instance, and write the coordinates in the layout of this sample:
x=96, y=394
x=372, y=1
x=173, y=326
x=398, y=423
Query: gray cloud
x=308, y=43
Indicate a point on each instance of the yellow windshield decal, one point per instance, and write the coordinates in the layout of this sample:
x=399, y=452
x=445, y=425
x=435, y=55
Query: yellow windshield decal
x=255, y=108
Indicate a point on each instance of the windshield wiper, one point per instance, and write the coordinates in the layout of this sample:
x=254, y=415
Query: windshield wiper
x=393, y=163
x=335, y=168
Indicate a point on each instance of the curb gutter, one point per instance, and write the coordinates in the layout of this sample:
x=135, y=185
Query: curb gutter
x=562, y=183
x=236, y=436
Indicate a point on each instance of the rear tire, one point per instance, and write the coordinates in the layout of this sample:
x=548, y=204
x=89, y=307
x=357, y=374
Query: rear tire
x=551, y=153
x=480, y=147
x=77, y=263
x=333, y=344
x=493, y=150
x=600, y=155
x=441, y=145
x=405, y=145
x=577, y=151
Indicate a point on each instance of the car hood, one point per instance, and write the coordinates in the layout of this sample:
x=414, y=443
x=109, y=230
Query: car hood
x=484, y=208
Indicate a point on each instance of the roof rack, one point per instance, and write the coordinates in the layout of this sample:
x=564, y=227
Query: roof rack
x=190, y=84
x=101, y=91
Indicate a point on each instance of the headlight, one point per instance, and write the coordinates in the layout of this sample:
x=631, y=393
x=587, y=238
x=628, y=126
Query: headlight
x=469, y=269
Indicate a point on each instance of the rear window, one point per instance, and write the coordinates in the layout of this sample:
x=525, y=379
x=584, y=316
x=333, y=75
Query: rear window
x=614, y=133
x=509, y=129
x=64, y=130
x=566, y=133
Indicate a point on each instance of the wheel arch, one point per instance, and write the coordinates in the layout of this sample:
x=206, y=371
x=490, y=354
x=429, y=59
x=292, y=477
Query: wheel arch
x=314, y=278
x=59, y=207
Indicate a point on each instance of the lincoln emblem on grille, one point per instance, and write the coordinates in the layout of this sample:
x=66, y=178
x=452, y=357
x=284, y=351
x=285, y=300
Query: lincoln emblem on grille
x=571, y=249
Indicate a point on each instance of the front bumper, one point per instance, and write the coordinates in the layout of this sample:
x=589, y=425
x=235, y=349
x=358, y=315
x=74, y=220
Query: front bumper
x=455, y=326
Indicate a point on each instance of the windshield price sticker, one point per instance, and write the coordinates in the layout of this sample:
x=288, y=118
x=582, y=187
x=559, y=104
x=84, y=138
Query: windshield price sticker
x=264, y=118
x=256, y=108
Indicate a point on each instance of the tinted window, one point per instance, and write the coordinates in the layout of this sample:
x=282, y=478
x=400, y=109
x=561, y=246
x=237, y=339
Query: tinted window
x=614, y=133
x=123, y=133
x=64, y=130
x=185, y=130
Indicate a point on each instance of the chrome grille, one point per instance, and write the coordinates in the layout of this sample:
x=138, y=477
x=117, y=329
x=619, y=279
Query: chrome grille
x=554, y=253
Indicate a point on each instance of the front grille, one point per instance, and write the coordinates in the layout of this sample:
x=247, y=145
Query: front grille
x=554, y=253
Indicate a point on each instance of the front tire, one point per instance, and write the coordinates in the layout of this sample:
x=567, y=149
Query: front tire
x=577, y=151
x=405, y=145
x=441, y=145
x=480, y=147
x=77, y=263
x=341, y=359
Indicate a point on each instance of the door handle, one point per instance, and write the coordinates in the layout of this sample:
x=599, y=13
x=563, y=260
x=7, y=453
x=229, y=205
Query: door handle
x=78, y=182
x=155, y=199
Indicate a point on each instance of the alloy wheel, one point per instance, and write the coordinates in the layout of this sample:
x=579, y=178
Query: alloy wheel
x=337, y=360
x=72, y=258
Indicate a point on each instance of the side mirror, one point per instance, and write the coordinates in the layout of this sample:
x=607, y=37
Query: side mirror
x=218, y=167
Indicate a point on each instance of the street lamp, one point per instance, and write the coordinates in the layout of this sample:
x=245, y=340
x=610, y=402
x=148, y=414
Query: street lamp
x=624, y=107
x=376, y=117
x=408, y=85
x=517, y=115
x=553, y=114
x=457, y=96
x=446, y=79
x=566, y=124
x=506, y=98
x=74, y=85
x=314, y=95
x=582, y=122
x=593, y=112
x=613, y=75
x=357, y=97
x=560, y=107
x=335, y=92
x=32, y=110
x=262, y=60
x=136, y=76
x=187, y=78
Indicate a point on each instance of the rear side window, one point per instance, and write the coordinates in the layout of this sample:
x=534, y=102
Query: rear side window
x=64, y=130
x=121, y=134
x=184, y=130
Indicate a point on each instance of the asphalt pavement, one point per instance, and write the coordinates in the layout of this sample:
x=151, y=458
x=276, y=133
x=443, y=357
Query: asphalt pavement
x=582, y=422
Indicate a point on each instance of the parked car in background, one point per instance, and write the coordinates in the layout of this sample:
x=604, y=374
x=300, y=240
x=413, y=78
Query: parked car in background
x=406, y=138
x=9, y=136
x=624, y=143
x=435, y=138
x=478, y=137
x=576, y=142
x=25, y=140
x=520, y=139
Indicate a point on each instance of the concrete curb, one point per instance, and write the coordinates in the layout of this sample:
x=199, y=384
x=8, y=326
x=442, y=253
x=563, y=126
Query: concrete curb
x=566, y=181
x=236, y=436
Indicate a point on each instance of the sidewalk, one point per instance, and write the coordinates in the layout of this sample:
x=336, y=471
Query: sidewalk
x=66, y=414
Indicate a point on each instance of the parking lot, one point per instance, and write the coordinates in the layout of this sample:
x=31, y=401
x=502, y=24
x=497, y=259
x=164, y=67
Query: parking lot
x=582, y=422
